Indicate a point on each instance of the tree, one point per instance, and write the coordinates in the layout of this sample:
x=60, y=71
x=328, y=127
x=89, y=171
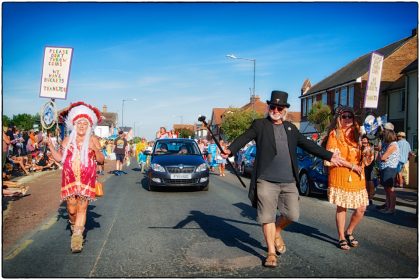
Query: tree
x=24, y=121
x=6, y=120
x=320, y=116
x=184, y=133
x=236, y=121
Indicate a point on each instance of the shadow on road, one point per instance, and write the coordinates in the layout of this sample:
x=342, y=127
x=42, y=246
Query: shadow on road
x=247, y=210
x=90, y=218
x=401, y=217
x=219, y=228
x=311, y=232
x=7, y=199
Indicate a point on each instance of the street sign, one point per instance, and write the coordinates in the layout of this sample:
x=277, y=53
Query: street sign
x=374, y=81
x=55, y=72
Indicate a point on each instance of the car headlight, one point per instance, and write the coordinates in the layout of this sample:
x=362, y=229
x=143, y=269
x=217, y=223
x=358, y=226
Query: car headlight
x=202, y=167
x=157, y=167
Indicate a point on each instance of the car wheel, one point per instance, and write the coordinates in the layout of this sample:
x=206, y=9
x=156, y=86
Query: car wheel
x=304, y=188
x=150, y=187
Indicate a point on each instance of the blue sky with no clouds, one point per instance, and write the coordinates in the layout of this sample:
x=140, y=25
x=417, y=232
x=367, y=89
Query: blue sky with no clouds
x=171, y=57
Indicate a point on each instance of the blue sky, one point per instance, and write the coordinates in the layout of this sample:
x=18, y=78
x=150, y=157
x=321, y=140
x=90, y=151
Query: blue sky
x=171, y=57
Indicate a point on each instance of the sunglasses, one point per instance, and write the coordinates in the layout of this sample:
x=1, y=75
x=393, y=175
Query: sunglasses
x=279, y=108
x=344, y=117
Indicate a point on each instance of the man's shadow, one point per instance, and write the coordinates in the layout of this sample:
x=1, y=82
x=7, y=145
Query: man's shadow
x=90, y=218
x=219, y=228
x=250, y=213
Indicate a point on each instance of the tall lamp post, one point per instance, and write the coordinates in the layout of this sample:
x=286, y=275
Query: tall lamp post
x=232, y=56
x=122, y=111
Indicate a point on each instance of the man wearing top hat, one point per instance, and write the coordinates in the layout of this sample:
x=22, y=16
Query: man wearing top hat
x=275, y=174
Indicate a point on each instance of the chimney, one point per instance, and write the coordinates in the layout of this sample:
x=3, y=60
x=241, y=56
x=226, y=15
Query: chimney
x=254, y=98
x=305, y=87
x=104, y=109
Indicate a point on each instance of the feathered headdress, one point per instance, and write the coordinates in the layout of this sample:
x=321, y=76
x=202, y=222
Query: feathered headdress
x=77, y=111
x=81, y=110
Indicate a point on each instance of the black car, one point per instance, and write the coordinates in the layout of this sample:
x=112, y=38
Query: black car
x=313, y=175
x=177, y=163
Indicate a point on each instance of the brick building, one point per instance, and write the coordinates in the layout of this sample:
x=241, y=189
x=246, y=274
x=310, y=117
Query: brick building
x=347, y=86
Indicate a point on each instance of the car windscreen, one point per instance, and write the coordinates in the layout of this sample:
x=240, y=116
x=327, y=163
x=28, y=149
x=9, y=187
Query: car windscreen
x=176, y=148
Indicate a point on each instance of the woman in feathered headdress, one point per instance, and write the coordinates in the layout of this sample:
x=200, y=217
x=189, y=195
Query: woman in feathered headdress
x=79, y=152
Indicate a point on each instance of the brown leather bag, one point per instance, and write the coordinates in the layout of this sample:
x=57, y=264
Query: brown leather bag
x=99, y=190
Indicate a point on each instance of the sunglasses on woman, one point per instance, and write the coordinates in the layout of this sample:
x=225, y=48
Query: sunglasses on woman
x=344, y=117
x=279, y=108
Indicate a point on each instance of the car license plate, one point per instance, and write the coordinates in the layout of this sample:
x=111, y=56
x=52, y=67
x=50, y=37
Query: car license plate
x=181, y=176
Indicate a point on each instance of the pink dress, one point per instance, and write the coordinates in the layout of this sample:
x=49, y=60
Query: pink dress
x=78, y=180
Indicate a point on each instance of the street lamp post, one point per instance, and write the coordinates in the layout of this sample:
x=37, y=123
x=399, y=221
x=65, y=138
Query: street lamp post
x=122, y=110
x=232, y=56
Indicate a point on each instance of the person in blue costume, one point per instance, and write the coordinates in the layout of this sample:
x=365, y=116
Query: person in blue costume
x=211, y=157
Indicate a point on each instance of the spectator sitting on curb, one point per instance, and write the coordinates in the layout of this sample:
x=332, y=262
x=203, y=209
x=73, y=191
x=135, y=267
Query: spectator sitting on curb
x=14, y=189
x=20, y=161
x=42, y=161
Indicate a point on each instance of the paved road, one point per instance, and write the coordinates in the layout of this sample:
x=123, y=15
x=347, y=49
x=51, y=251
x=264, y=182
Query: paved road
x=185, y=233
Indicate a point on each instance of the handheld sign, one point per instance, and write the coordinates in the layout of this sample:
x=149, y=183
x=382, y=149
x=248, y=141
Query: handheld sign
x=48, y=115
x=374, y=81
x=55, y=72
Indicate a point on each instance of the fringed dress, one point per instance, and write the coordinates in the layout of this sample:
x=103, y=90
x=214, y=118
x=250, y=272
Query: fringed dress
x=346, y=188
x=78, y=180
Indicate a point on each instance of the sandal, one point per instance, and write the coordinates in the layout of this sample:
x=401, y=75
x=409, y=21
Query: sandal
x=76, y=243
x=351, y=240
x=279, y=244
x=343, y=245
x=271, y=260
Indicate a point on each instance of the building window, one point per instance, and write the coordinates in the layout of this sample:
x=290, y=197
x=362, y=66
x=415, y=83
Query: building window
x=351, y=96
x=336, y=98
x=304, y=107
x=343, y=96
x=324, y=98
x=309, y=104
x=402, y=101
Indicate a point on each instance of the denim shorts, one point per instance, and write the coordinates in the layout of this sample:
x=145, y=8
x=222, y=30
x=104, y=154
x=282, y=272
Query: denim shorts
x=120, y=157
x=388, y=177
x=400, y=166
x=273, y=196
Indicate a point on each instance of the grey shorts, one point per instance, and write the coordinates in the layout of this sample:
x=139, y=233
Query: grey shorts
x=273, y=196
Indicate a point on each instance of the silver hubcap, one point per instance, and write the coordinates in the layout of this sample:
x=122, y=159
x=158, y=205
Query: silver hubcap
x=303, y=183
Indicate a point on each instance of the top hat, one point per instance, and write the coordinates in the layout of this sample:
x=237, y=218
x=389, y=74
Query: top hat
x=278, y=98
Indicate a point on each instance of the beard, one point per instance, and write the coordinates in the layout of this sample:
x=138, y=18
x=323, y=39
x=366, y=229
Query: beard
x=277, y=117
